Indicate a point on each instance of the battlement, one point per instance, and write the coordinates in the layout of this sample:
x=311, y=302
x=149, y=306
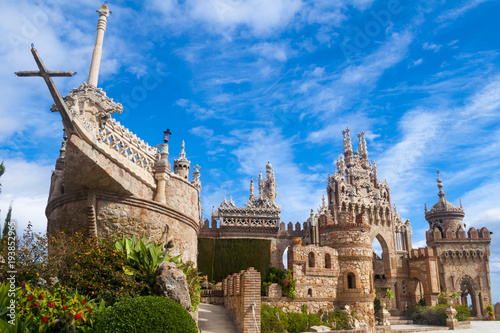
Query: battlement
x=421, y=253
x=466, y=255
x=436, y=235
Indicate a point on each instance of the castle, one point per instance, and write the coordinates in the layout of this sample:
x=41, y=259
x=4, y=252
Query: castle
x=333, y=260
x=108, y=181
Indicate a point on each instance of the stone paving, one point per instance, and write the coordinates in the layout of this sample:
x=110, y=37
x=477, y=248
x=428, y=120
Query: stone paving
x=476, y=326
x=215, y=319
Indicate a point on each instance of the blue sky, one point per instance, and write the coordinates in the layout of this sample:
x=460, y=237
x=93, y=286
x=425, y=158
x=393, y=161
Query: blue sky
x=247, y=82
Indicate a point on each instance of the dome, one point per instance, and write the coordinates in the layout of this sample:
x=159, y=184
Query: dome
x=444, y=206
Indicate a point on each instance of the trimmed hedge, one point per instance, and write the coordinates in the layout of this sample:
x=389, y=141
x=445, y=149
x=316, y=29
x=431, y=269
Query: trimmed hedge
x=146, y=314
x=219, y=258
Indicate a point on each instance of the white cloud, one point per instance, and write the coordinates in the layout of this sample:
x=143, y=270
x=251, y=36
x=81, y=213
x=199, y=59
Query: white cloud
x=431, y=46
x=26, y=185
x=455, y=13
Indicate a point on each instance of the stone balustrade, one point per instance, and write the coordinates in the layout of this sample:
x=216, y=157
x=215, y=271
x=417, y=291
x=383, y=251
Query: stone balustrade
x=127, y=144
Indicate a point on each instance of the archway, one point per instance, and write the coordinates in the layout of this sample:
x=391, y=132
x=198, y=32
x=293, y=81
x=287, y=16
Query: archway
x=470, y=295
x=284, y=257
x=417, y=291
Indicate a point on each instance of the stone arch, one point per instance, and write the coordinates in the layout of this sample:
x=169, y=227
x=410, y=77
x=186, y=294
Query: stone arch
x=311, y=259
x=351, y=280
x=328, y=261
x=386, y=251
x=469, y=288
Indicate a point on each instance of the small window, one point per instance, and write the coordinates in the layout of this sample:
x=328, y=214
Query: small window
x=310, y=292
x=351, y=281
x=311, y=259
x=328, y=261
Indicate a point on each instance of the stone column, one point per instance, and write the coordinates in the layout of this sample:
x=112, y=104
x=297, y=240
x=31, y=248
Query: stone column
x=96, y=54
x=476, y=304
x=162, y=174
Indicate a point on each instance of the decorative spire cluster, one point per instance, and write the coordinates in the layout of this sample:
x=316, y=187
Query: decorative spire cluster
x=182, y=164
x=267, y=190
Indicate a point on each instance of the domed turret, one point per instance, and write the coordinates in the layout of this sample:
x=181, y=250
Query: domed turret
x=444, y=214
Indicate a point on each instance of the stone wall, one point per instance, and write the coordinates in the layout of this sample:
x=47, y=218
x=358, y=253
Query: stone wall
x=108, y=195
x=316, y=274
x=242, y=299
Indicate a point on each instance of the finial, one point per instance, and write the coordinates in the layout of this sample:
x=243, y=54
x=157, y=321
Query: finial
x=252, y=194
x=461, y=207
x=425, y=206
x=441, y=194
x=182, y=154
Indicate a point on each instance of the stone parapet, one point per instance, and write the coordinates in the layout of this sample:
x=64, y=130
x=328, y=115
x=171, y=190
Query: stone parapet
x=242, y=299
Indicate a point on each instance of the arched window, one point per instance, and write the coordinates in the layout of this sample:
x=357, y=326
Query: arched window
x=328, y=261
x=310, y=292
x=311, y=259
x=351, y=281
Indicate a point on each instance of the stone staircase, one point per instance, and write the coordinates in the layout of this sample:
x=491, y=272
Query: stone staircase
x=400, y=320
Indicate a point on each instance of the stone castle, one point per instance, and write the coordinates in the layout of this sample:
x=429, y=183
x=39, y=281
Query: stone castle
x=332, y=258
x=108, y=181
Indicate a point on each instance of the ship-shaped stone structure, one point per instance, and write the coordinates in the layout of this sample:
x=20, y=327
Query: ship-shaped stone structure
x=107, y=180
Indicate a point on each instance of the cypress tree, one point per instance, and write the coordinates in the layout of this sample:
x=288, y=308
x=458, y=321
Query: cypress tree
x=5, y=231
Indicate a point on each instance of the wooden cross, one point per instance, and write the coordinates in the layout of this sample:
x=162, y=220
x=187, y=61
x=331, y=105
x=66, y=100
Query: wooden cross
x=47, y=76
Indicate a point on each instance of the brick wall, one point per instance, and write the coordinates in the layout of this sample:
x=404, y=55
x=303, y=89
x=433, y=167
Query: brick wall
x=241, y=291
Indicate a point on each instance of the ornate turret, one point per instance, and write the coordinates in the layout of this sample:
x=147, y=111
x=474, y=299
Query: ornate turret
x=181, y=164
x=444, y=214
x=363, y=151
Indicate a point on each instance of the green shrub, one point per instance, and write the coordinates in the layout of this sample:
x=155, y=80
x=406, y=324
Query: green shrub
x=428, y=315
x=272, y=323
x=146, y=314
x=48, y=309
x=463, y=312
x=339, y=319
x=275, y=320
x=284, y=278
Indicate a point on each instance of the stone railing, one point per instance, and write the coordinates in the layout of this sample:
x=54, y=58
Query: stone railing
x=127, y=144
x=242, y=299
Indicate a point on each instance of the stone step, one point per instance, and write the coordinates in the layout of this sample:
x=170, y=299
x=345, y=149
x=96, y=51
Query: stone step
x=400, y=321
x=417, y=328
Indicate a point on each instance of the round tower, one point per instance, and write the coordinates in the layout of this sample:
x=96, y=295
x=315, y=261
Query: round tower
x=351, y=238
x=444, y=215
x=182, y=164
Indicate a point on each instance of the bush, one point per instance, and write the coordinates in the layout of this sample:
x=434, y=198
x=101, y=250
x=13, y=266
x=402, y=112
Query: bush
x=275, y=320
x=270, y=323
x=339, y=319
x=463, y=312
x=55, y=309
x=428, y=315
x=146, y=314
x=282, y=277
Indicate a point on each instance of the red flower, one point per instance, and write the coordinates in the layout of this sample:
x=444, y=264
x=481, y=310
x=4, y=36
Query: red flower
x=90, y=309
x=40, y=297
x=36, y=304
x=45, y=319
x=83, y=302
x=30, y=298
x=24, y=285
x=62, y=297
x=78, y=316
x=64, y=308
x=51, y=304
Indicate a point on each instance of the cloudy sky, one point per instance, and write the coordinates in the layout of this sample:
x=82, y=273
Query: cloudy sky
x=247, y=82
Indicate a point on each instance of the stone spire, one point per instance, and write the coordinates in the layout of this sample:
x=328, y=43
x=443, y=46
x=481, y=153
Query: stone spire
x=252, y=194
x=340, y=166
x=96, y=54
x=348, y=148
x=441, y=194
x=181, y=164
x=363, y=151
x=196, y=177
x=261, y=185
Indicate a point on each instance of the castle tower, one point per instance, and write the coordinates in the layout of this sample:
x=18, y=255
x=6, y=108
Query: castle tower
x=463, y=258
x=443, y=214
x=181, y=164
